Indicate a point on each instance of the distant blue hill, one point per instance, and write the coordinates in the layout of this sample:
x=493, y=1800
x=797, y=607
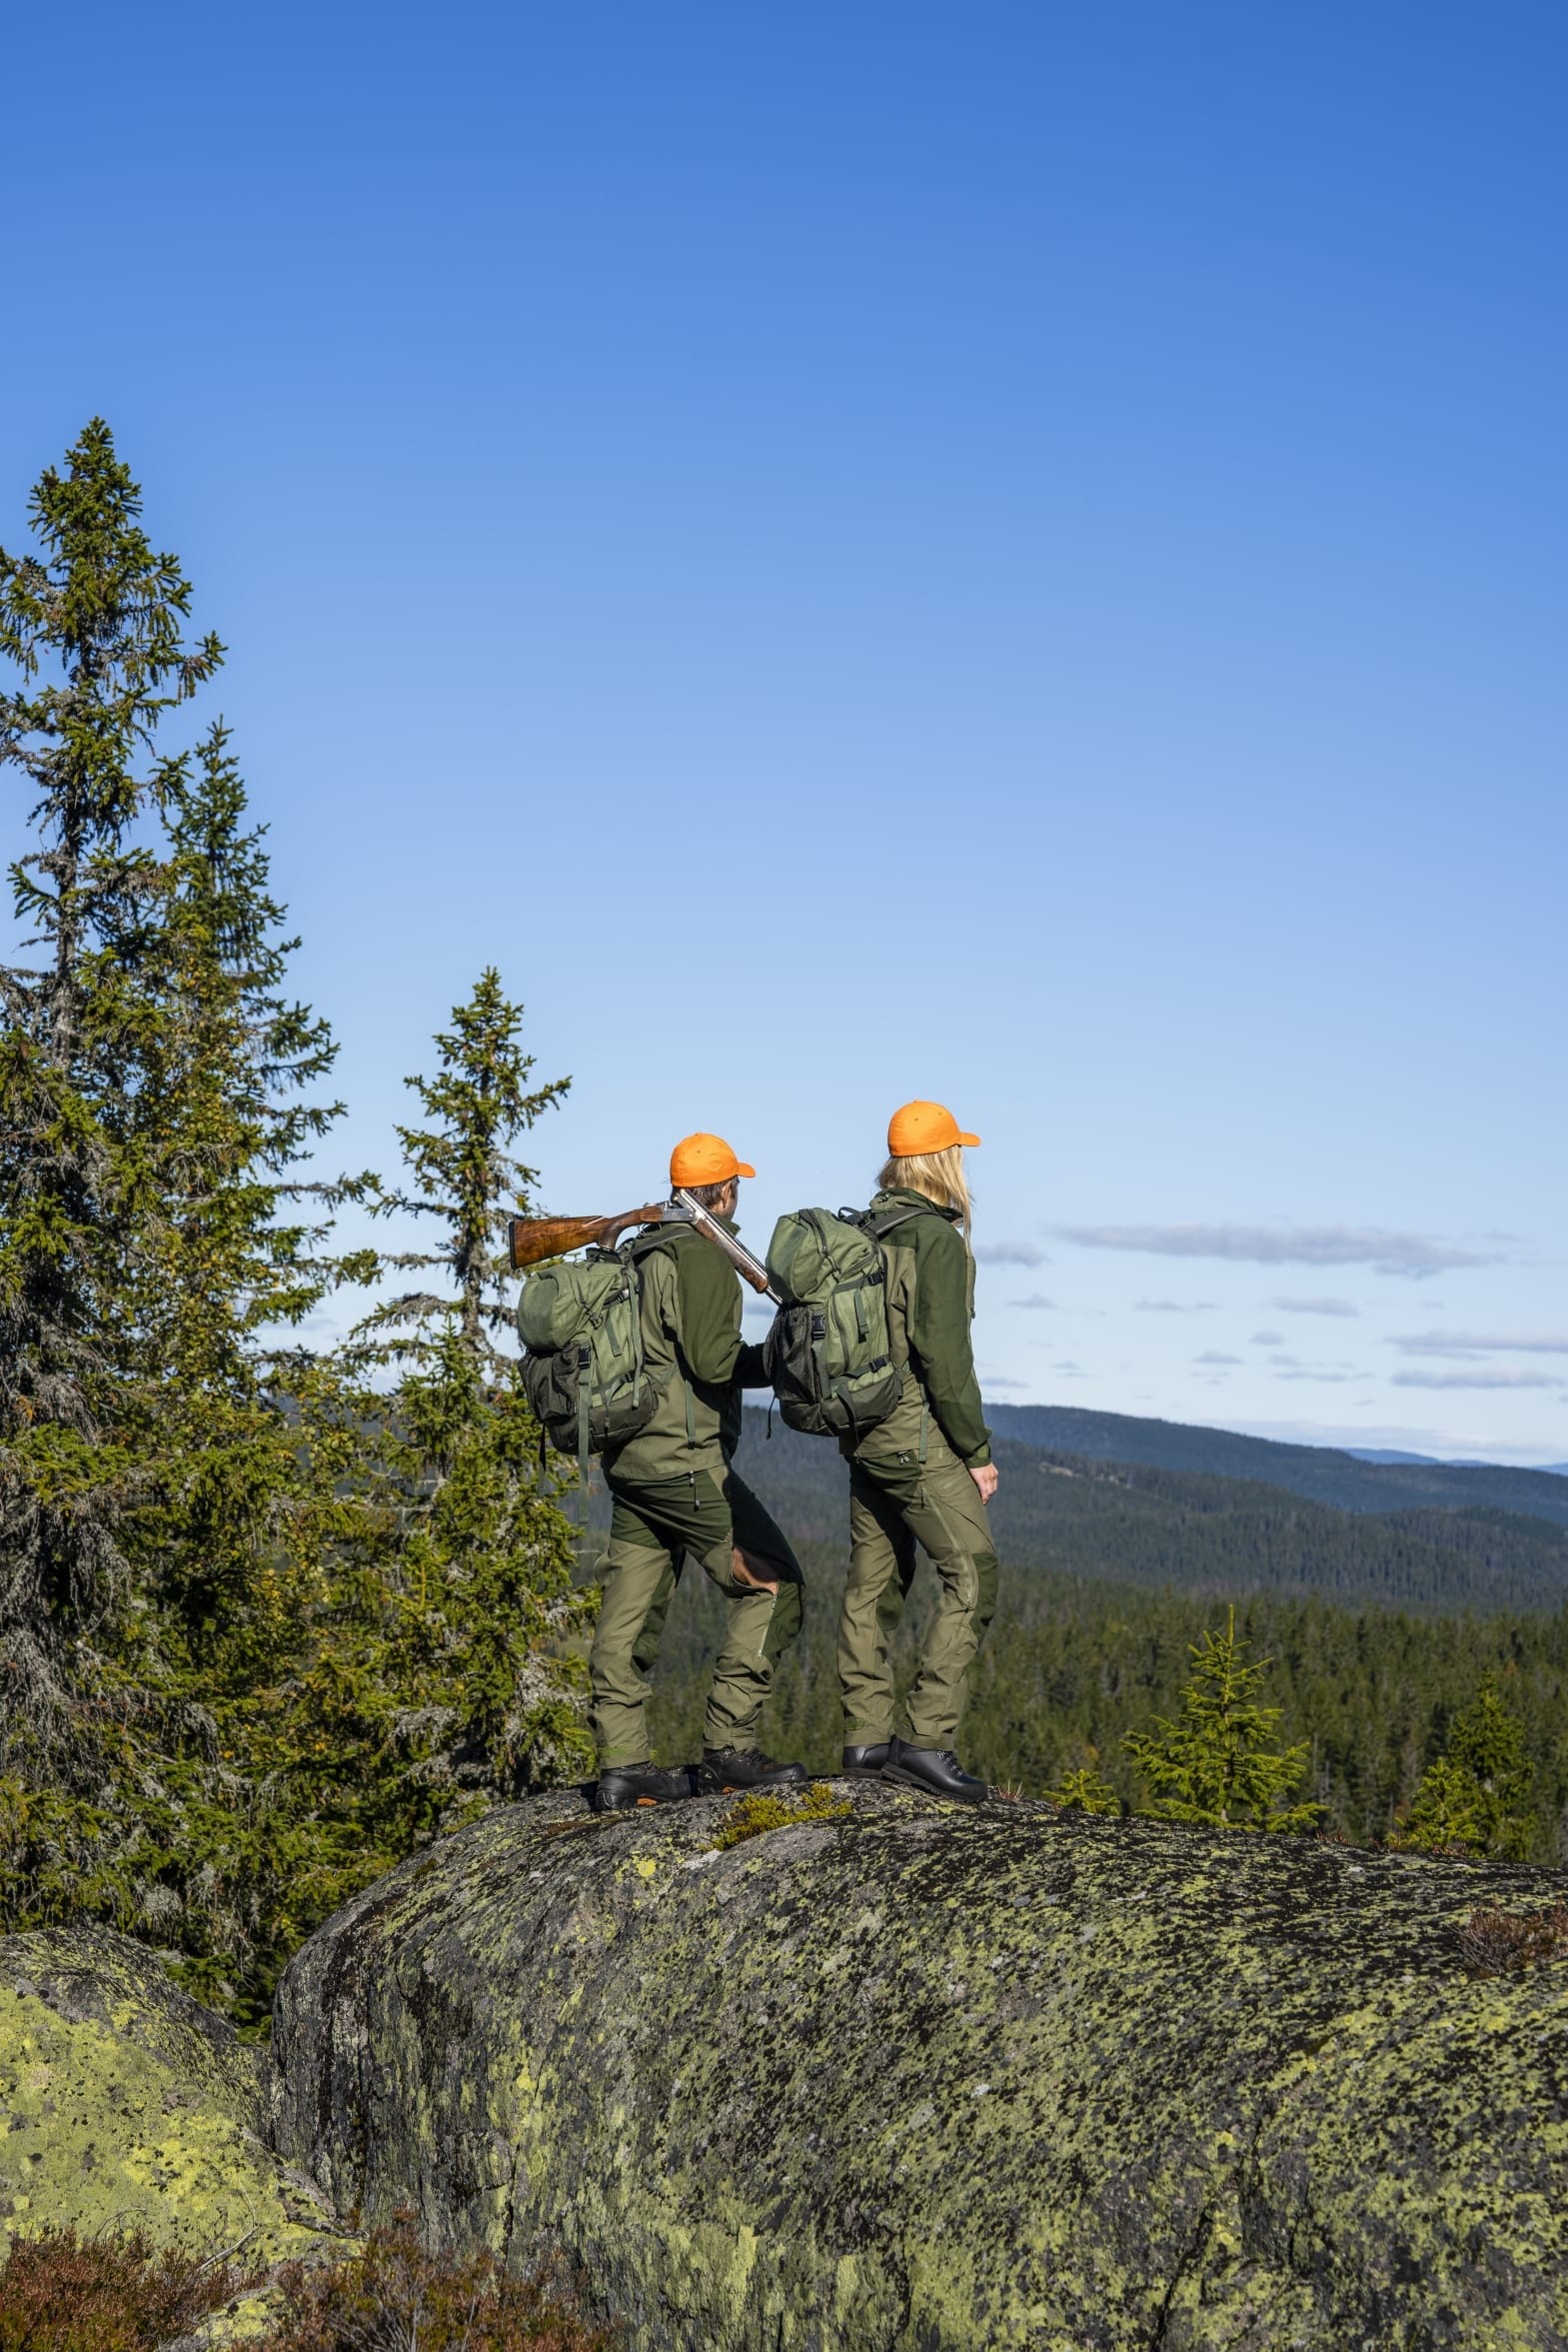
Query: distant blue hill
x=1323, y=1473
x=1550, y=1469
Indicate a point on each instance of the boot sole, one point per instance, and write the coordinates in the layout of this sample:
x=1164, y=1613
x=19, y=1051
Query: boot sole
x=954, y=1797
x=744, y=1787
x=637, y=1805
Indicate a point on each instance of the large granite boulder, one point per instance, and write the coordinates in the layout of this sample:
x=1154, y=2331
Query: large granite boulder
x=125, y=2105
x=917, y=2079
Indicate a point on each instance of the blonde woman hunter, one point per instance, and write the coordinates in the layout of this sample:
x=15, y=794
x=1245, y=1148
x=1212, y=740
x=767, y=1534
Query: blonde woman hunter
x=923, y=1475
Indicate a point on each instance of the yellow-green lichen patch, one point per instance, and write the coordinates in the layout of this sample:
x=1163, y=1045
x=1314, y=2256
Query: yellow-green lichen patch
x=123, y=2114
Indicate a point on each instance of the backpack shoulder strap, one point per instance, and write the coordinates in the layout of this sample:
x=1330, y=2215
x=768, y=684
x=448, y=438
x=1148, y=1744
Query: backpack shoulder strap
x=880, y=1226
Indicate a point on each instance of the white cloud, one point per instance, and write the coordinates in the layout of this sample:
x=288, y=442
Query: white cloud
x=1269, y=1338
x=1035, y=1304
x=1413, y=1255
x=1314, y=1306
x=1010, y=1254
x=1176, y=1306
x=1484, y=1376
x=1469, y=1344
x=1214, y=1355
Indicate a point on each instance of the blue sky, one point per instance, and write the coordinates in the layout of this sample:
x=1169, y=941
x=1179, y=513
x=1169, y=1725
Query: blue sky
x=1014, y=554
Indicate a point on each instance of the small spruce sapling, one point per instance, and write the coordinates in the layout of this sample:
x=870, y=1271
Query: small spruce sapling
x=1217, y=1762
x=1083, y=1791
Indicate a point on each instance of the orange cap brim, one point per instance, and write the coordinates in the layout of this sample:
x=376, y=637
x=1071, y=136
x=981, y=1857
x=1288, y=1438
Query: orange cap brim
x=744, y=1167
x=963, y=1139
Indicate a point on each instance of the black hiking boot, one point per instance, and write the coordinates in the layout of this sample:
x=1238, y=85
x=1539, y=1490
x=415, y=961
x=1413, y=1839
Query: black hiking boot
x=724, y=1769
x=866, y=1763
x=625, y=1785
x=935, y=1769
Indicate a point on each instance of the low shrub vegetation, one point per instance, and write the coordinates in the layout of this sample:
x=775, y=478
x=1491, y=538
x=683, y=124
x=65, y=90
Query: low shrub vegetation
x=62, y=2293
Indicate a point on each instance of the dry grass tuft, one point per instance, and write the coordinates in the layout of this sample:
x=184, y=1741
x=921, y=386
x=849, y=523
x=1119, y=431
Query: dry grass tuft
x=1495, y=1941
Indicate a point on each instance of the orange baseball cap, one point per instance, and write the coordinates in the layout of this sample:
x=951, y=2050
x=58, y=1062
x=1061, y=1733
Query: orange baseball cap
x=704, y=1160
x=924, y=1127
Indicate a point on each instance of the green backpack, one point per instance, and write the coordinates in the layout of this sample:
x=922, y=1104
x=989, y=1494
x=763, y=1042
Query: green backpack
x=828, y=1353
x=581, y=1324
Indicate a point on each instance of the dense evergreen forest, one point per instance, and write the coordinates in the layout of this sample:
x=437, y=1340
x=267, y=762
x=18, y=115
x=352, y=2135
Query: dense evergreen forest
x=1074, y=1665
x=272, y=1615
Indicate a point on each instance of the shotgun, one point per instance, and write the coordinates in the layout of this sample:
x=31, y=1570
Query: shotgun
x=530, y=1240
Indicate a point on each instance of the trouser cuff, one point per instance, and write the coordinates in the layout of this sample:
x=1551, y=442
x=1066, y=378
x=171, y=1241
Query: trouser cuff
x=731, y=1734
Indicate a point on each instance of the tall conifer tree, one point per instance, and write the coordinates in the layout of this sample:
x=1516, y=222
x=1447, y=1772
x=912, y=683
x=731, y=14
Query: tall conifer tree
x=170, y=1487
x=93, y=623
x=480, y=1634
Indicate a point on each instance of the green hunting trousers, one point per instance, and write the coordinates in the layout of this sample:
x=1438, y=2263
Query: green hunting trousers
x=654, y=1527
x=893, y=1505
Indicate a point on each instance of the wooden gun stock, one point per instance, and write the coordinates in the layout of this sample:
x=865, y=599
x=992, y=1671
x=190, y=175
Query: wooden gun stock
x=530, y=1240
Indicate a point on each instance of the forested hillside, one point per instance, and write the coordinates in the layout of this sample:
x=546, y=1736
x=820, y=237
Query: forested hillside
x=1205, y=1533
x=1320, y=1473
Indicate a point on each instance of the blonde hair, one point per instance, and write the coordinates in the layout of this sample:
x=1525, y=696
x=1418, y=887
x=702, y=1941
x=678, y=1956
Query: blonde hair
x=939, y=1174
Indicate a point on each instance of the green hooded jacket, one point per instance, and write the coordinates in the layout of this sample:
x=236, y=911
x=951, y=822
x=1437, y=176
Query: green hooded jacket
x=699, y=1363
x=930, y=1304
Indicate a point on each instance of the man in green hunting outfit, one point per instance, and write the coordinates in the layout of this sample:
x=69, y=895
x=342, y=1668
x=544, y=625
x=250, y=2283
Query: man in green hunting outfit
x=923, y=1475
x=675, y=1494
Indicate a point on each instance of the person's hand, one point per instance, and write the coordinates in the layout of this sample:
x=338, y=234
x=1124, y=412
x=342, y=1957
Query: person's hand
x=986, y=1478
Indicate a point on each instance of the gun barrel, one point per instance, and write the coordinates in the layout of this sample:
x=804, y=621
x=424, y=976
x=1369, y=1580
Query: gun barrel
x=750, y=1268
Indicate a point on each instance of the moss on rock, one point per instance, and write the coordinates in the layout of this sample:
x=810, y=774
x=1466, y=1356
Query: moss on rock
x=126, y=2105
x=924, y=2078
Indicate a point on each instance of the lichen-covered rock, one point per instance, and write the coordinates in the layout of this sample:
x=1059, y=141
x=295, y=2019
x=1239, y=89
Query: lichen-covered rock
x=125, y=2105
x=926, y=2078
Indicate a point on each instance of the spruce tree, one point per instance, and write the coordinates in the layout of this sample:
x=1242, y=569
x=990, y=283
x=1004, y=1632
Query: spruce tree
x=481, y=1669
x=1475, y=1796
x=93, y=625
x=1217, y=1762
x=171, y=1486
